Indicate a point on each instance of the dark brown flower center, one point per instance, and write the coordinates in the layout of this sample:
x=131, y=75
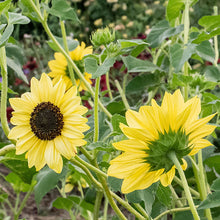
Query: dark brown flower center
x=46, y=121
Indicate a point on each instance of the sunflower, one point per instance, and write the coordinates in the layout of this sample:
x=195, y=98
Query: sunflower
x=59, y=66
x=48, y=123
x=153, y=133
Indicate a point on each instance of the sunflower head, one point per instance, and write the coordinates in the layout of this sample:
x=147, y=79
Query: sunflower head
x=48, y=123
x=59, y=66
x=153, y=133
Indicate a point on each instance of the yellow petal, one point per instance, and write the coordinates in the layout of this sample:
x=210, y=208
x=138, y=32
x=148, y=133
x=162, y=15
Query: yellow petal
x=167, y=178
x=199, y=144
x=21, y=104
x=18, y=131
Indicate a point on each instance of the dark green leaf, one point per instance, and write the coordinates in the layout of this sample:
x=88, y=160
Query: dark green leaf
x=15, y=18
x=141, y=82
x=164, y=195
x=104, y=68
x=116, y=120
x=212, y=73
x=216, y=185
x=161, y=31
x=212, y=201
x=174, y=8
x=47, y=179
x=16, y=66
x=206, y=51
x=15, y=52
x=136, y=65
x=213, y=162
x=6, y=34
x=63, y=203
x=178, y=55
x=63, y=10
x=82, y=203
x=72, y=44
x=146, y=195
x=116, y=107
x=19, y=165
x=210, y=22
x=115, y=183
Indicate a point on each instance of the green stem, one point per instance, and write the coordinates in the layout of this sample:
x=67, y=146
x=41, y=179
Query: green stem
x=96, y=111
x=16, y=206
x=76, y=69
x=215, y=8
x=203, y=184
x=141, y=210
x=176, y=162
x=98, y=200
x=7, y=149
x=122, y=95
x=108, y=86
x=171, y=211
x=71, y=73
x=86, y=153
x=178, y=202
x=71, y=215
x=105, y=214
x=186, y=36
x=4, y=73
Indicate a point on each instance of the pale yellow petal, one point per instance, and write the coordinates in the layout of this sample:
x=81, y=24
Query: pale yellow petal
x=21, y=104
x=19, y=131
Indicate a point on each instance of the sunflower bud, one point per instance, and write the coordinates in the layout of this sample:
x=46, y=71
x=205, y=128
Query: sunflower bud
x=102, y=37
x=113, y=49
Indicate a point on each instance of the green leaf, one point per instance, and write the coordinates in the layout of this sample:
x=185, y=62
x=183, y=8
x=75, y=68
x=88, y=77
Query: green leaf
x=180, y=80
x=206, y=36
x=164, y=195
x=19, y=165
x=116, y=120
x=212, y=201
x=141, y=82
x=63, y=203
x=16, y=66
x=72, y=44
x=101, y=146
x=63, y=10
x=146, y=195
x=178, y=55
x=161, y=31
x=206, y=51
x=4, y=6
x=115, y=183
x=216, y=185
x=212, y=73
x=15, y=52
x=16, y=18
x=104, y=68
x=131, y=43
x=47, y=179
x=213, y=162
x=90, y=64
x=116, y=107
x=174, y=8
x=6, y=34
x=82, y=203
x=3, y=197
x=210, y=22
x=136, y=65
x=17, y=183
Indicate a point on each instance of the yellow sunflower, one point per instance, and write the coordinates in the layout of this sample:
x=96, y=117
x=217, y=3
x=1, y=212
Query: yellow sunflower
x=48, y=123
x=59, y=66
x=153, y=133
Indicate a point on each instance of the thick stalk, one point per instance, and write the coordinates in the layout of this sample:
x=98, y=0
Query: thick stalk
x=71, y=73
x=96, y=111
x=105, y=214
x=203, y=184
x=216, y=40
x=76, y=69
x=176, y=198
x=7, y=149
x=186, y=35
x=4, y=89
x=176, y=162
x=98, y=200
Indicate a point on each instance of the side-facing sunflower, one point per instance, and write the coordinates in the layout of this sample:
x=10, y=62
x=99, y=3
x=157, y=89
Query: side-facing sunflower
x=48, y=123
x=154, y=132
x=59, y=66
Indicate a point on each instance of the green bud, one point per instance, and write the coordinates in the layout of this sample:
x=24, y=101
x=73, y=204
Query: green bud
x=113, y=49
x=102, y=37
